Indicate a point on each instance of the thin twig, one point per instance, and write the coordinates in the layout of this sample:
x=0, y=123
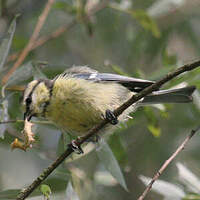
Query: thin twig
x=46, y=172
x=27, y=49
x=22, y=121
x=9, y=121
x=167, y=162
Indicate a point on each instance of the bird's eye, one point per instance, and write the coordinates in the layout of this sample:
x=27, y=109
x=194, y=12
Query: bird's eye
x=28, y=100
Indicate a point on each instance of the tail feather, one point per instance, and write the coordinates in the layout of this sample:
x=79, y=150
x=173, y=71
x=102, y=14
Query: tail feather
x=181, y=95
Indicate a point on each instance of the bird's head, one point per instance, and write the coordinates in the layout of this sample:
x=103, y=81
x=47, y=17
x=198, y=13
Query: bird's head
x=36, y=98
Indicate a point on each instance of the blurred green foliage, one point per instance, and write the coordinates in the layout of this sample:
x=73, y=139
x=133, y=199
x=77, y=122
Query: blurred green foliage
x=144, y=39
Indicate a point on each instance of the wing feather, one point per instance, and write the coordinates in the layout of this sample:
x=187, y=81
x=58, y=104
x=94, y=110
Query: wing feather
x=133, y=84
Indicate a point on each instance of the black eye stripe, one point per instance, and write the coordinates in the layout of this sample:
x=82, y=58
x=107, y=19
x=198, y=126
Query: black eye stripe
x=29, y=98
x=49, y=85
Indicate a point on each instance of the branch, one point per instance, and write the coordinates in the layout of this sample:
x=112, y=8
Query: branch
x=46, y=172
x=59, y=31
x=167, y=162
x=10, y=121
x=43, y=39
x=32, y=40
x=22, y=121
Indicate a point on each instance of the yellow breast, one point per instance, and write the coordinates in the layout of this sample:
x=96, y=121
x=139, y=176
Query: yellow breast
x=77, y=105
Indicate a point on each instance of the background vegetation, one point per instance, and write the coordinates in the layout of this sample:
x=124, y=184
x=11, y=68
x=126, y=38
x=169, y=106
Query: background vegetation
x=144, y=39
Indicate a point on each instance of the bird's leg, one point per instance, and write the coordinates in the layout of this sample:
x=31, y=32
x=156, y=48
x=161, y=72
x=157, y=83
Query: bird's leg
x=95, y=138
x=75, y=146
x=110, y=116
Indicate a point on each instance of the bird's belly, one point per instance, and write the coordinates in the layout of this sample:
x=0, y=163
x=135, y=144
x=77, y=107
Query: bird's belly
x=75, y=118
x=78, y=105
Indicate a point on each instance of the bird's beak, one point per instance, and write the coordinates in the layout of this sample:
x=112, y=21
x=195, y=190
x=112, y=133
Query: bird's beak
x=28, y=115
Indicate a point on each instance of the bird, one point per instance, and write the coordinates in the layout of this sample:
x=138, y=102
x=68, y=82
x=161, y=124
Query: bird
x=81, y=97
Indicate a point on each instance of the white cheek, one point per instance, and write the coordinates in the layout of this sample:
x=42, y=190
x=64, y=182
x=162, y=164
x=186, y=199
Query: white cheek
x=34, y=105
x=34, y=99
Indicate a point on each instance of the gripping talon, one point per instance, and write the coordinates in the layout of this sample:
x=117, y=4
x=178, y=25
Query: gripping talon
x=75, y=147
x=110, y=116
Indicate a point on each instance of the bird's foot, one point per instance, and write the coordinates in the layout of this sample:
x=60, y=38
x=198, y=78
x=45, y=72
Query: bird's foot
x=76, y=146
x=110, y=116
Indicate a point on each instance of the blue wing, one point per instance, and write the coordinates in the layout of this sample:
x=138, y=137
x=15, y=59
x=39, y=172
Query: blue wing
x=133, y=84
x=181, y=95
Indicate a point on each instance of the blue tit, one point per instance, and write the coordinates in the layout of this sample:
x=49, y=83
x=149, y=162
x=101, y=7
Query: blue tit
x=81, y=98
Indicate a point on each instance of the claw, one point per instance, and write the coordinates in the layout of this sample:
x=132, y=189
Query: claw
x=75, y=147
x=110, y=116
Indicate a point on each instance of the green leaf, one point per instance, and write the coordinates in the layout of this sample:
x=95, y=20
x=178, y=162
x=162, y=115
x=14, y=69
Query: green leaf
x=191, y=197
x=89, y=27
x=105, y=178
x=118, y=70
x=156, y=131
x=157, y=74
x=146, y=22
x=21, y=74
x=153, y=124
x=107, y=157
x=6, y=43
x=37, y=73
x=64, y=140
x=117, y=147
x=60, y=5
x=79, y=9
x=60, y=146
x=168, y=190
x=57, y=183
x=46, y=191
x=70, y=193
x=19, y=42
x=65, y=7
x=190, y=180
x=3, y=116
x=168, y=60
x=62, y=173
x=9, y=194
